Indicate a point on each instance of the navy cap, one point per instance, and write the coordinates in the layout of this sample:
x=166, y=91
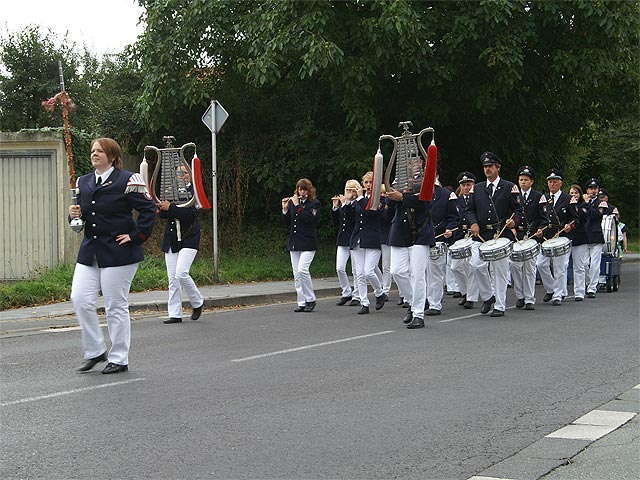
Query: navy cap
x=603, y=192
x=592, y=182
x=466, y=177
x=554, y=174
x=490, y=158
x=527, y=170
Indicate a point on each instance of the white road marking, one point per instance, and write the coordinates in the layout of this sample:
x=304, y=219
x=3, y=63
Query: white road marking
x=306, y=347
x=68, y=392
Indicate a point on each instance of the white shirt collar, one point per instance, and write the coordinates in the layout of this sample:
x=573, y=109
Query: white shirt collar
x=105, y=175
x=495, y=182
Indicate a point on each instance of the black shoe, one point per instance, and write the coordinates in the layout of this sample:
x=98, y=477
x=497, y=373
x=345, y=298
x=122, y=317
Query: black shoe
x=173, y=320
x=408, y=317
x=354, y=303
x=380, y=301
x=497, y=313
x=557, y=303
x=406, y=305
x=468, y=305
x=310, y=306
x=92, y=362
x=400, y=302
x=578, y=299
x=363, y=310
x=457, y=295
x=486, y=305
x=529, y=306
x=463, y=300
x=197, y=312
x=299, y=308
x=547, y=297
x=114, y=368
x=432, y=312
x=591, y=295
x=520, y=303
x=417, y=322
x=343, y=300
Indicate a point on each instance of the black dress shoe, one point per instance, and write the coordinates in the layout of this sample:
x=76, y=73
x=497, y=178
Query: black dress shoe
x=197, y=312
x=557, y=303
x=363, y=310
x=310, y=306
x=486, y=305
x=520, y=303
x=407, y=317
x=547, y=297
x=406, y=305
x=417, y=322
x=380, y=301
x=529, y=306
x=343, y=300
x=173, y=320
x=578, y=299
x=463, y=300
x=457, y=295
x=92, y=362
x=497, y=313
x=591, y=295
x=400, y=302
x=299, y=308
x=468, y=305
x=432, y=312
x=114, y=368
x=354, y=303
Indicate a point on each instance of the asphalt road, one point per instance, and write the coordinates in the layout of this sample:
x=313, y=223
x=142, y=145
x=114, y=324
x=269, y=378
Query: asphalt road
x=267, y=393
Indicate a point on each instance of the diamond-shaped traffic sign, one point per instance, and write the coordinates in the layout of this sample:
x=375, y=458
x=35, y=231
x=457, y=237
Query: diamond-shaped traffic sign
x=215, y=116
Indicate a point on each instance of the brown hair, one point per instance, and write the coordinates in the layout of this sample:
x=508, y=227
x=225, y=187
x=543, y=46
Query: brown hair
x=306, y=184
x=111, y=149
x=577, y=187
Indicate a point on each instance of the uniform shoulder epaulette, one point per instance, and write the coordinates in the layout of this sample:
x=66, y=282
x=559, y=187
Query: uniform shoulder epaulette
x=515, y=189
x=471, y=191
x=543, y=199
x=603, y=204
x=453, y=196
x=136, y=184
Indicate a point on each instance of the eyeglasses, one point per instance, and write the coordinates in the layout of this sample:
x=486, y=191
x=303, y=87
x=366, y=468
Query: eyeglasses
x=181, y=173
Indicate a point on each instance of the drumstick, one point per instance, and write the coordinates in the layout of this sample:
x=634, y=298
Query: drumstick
x=505, y=225
x=560, y=230
x=478, y=235
x=438, y=236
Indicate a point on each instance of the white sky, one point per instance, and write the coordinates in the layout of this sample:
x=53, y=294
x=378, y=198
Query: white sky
x=104, y=26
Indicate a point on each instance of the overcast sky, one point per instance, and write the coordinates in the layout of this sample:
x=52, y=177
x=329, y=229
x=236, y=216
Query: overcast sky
x=104, y=26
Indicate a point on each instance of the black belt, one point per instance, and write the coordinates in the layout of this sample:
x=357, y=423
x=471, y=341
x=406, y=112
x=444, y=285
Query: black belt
x=493, y=226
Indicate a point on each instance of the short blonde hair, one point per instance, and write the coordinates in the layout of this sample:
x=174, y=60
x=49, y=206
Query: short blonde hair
x=367, y=176
x=352, y=185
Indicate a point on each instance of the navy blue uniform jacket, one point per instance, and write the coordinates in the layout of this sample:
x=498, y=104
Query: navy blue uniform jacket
x=343, y=217
x=533, y=214
x=107, y=211
x=367, y=225
x=463, y=221
x=444, y=214
x=302, y=220
x=400, y=231
x=491, y=213
x=422, y=227
x=189, y=218
x=558, y=216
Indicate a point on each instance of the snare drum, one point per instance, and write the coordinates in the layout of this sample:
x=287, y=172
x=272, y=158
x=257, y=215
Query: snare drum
x=610, y=234
x=496, y=249
x=525, y=250
x=556, y=247
x=438, y=250
x=461, y=248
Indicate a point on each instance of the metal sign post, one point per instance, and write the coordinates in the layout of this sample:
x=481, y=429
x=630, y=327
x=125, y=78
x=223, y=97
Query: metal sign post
x=214, y=118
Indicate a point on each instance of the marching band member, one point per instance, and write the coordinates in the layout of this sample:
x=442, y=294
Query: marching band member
x=461, y=267
x=110, y=252
x=301, y=213
x=180, y=243
x=444, y=217
x=523, y=273
x=342, y=216
x=560, y=218
x=365, y=244
x=385, y=249
x=495, y=207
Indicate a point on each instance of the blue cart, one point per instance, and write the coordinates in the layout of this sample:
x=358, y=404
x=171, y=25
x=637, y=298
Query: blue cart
x=610, y=270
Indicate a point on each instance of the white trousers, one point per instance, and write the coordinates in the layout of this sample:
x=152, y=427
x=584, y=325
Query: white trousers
x=450, y=279
x=386, y=267
x=355, y=294
x=300, y=263
x=366, y=260
x=418, y=255
x=342, y=257
x=115, y=283
x=178, y=266
x=481, y=277
x=463, y=272
x=435, y=280
x=586, y=268
x=401, y=272
x=555, y=284
x=523, y=275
